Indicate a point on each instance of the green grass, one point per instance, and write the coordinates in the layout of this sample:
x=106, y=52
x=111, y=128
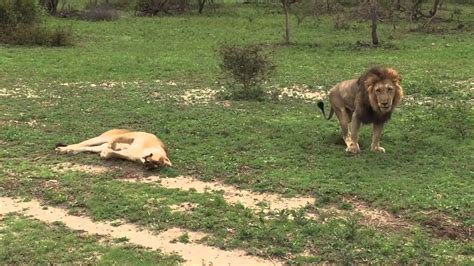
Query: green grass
x=27, y=241
x=284, y=147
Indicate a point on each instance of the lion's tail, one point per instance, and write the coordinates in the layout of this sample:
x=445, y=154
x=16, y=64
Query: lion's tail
x=321, y=106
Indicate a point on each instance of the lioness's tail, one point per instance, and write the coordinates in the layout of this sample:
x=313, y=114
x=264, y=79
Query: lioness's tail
x=321, y=106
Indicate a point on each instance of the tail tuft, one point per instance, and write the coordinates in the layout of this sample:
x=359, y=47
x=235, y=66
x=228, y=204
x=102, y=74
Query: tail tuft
x=321, y=106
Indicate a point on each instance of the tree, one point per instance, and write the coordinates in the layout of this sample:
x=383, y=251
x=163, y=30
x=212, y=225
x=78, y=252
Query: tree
x=286, y=8
x=50, y=5
x=373, y=17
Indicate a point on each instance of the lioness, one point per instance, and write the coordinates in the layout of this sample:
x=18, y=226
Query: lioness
x=369, y=99
x=124, y=144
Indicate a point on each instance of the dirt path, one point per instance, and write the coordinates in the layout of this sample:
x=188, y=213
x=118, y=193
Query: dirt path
x=372, y=217
x=231, y=194
x=194, y=254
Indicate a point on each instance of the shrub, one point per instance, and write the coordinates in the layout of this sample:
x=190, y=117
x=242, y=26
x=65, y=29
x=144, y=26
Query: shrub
x=246, y=67
x=20, y=24
x=24, y=34
x=153, y=7
x=14, y=12
x=61, y=37
x=102, y=12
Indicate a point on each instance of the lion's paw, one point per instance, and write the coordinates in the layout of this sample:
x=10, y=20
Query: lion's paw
x=378, y=149
x=353, y=148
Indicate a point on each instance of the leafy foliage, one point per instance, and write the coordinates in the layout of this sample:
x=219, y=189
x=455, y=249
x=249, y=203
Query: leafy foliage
x=20, y=24
x=247, y=67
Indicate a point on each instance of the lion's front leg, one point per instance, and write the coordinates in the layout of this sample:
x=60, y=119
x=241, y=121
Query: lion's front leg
x=127, y=154
x=353, y=146
x=377, y=133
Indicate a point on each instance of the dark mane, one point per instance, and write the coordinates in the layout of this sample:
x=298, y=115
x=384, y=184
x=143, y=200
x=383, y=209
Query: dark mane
x=366, y=112
x=372, y=76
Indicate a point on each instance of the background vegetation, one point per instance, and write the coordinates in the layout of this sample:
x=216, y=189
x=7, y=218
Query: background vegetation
x=132, y=71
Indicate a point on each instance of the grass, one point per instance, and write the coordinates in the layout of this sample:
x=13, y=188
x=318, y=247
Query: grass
x=27, y=241
x=280, y=146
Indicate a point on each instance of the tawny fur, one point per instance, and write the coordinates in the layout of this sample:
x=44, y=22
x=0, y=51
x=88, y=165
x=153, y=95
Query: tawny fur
x=141, y=147
x=371, y=99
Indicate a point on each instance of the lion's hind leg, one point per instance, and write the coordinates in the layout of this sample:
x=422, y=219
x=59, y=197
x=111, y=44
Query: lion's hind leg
x=91, y=145
x=344, y=118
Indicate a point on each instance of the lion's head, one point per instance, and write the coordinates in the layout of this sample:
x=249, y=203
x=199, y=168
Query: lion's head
x=383, y=88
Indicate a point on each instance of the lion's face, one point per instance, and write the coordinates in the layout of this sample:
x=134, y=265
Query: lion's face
x=382, y=95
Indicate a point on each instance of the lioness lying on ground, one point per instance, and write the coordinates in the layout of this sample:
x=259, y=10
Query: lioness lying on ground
x=124, y=144
x=369, y=99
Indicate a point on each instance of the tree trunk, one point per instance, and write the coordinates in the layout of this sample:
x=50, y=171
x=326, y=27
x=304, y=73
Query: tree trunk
x=201, y=5
x=286, y=6
x=373, y=16
x=50, y=5
x=436, y=4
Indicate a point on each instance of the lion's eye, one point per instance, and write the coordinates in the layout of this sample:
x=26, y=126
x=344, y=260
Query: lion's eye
x=377, y=91
x=390, y=89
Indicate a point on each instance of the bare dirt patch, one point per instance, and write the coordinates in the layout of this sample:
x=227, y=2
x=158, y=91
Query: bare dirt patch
x=91, y=169
x=185, y=207
x=231, y=194
x=199, y=96
x=377, y=218
x=444, y=226
x=302, y=91
x=194, y=254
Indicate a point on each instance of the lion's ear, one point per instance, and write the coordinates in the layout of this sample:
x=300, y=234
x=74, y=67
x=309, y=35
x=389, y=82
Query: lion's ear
x=393, y=75
x=397, y=98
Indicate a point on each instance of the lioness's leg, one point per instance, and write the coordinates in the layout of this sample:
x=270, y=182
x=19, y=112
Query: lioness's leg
x=128, y=154
x=83, y=146
x=377, y=133
x=344, y=120
x=119, y=139
x=354, y=135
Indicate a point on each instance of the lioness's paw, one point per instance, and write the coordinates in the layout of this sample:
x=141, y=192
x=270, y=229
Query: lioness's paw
x=105, y=153
x=62, y=150
x=353, y=148
x=377, y=149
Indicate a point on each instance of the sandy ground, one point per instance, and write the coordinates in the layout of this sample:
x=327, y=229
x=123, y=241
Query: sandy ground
x=193, y=253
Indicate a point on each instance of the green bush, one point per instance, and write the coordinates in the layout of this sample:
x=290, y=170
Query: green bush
x=247, y=67
x=14, y=12
x=60, y=37
x=20, y=24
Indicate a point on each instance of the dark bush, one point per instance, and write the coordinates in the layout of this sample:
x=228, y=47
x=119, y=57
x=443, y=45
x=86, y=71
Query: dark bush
x=61, y=37
x=247, y=68
x=14, y=12
x=103, y=12
x=20, y=24
x=24, y=34
x=154, y=7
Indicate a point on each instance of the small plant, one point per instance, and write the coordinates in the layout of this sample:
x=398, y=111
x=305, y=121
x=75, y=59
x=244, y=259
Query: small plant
x=184, y=238
x=61, y=37
x=247, y=68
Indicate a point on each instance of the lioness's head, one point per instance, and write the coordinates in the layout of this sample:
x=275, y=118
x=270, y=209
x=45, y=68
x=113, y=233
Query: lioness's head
x=152, y=161
x=383, y=88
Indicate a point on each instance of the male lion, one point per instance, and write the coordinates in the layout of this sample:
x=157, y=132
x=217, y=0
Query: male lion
x=124, y=144
x=369, y=99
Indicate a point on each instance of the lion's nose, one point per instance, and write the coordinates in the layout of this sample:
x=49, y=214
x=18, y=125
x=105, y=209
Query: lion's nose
x=385, y=104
